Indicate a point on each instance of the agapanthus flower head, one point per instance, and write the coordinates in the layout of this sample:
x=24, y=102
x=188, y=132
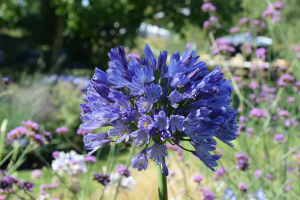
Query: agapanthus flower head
x=5, y=81
x=258, y=112
x=243, y=186
x=234, y=29
x=261, y=53
x=123, y=170
x=61, y=130
x=26, y=186
x=31, y=126
x=197, y=178
x=149, y=101
x=207, y=6
x=243, y=21
x=101, y=178
x=242, y=161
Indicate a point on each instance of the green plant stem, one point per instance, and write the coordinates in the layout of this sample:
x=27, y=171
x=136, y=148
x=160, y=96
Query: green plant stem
x=20, y=160
x=162, y=184
x=3, y=135
x=126, y=165
x=6, y=157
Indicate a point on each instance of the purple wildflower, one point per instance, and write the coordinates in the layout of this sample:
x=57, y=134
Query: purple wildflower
x=101, y=178
x=208, y=7
x=279, y=138
x=90, y=159
x=197, y=178
x=258, y=174
x=243, y=187
x=257, y=112
x=32, y=126
x=55, y=154
x=243, y=21
x=26, y=185
x=234, y=29
x=261, y=53
x=61, y=130
x=242, y=161
x=207, y=194
x=123, y=170
x=5, y=81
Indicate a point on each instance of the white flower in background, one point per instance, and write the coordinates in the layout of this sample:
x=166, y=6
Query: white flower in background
x=69, y=163
x=126, y=183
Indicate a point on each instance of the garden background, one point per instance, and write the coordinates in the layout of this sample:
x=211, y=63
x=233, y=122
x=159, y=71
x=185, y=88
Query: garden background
x=49, y=50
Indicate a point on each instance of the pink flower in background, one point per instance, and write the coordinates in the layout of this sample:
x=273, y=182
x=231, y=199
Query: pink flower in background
x=90, y=159
x=207, y=194
x=257, y=112
x=197, y=178
x=55, y=154
x=258, y=174
x=243, y=21
x=270, y=177
x=278, y=138
x=261, y=53
x=253, y=85
x=284, y=113
x=208, y=7
x=213, y=19
x=278, y=5
x=188, y=45
x=234, y=29
x=255, y=22
x=252, y=96
x=247, y=49
x=206, y=24
x=62, y=129
x=243, y=187
x=242, y=119
x=31, y=125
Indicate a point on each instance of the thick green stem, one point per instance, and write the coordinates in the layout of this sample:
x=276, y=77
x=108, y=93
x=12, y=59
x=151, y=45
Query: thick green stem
x=162, y=184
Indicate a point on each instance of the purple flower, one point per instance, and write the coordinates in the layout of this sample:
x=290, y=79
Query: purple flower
x=123, y=170
x=188, y=45
x=144, y=105
x=219, y=173
x=242, y=119
x=279, y=138
x=38, y=139
x=140, y=161
x=26, y=186
x=157, y=152
x=242, y=161
x=234, y=29
x=5, y=81
x=141, y=137
x=32, y=126
x=290, y=99
x=175, y=97
x=55, y=154
x=48, y=186
x=287, y=188
x=208, y=7
x=153, y=92
x=120, y=130
x=257, y=112
x=206, y=24
x=61, y=130
x=101, y=178
x=175, y=67
x=144, y=74
x=47, y=136
x=90, y=159
x=258, y=174
x=278, y=5
x=207, y=194
x=284, y=113
x=95, y=141
x=243, y=187
x=36, y=174
x=145, y=123
x=197, y=178
x=270, y=177
x=176, y=122
x=261, y=53
x=17, y=133
x=161, y=121
x=243, y=21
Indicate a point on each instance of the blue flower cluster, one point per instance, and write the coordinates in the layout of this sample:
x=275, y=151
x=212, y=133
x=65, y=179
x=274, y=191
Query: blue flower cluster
x=150, y=102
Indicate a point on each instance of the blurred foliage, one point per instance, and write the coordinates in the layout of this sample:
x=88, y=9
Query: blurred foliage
x=91, y=28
